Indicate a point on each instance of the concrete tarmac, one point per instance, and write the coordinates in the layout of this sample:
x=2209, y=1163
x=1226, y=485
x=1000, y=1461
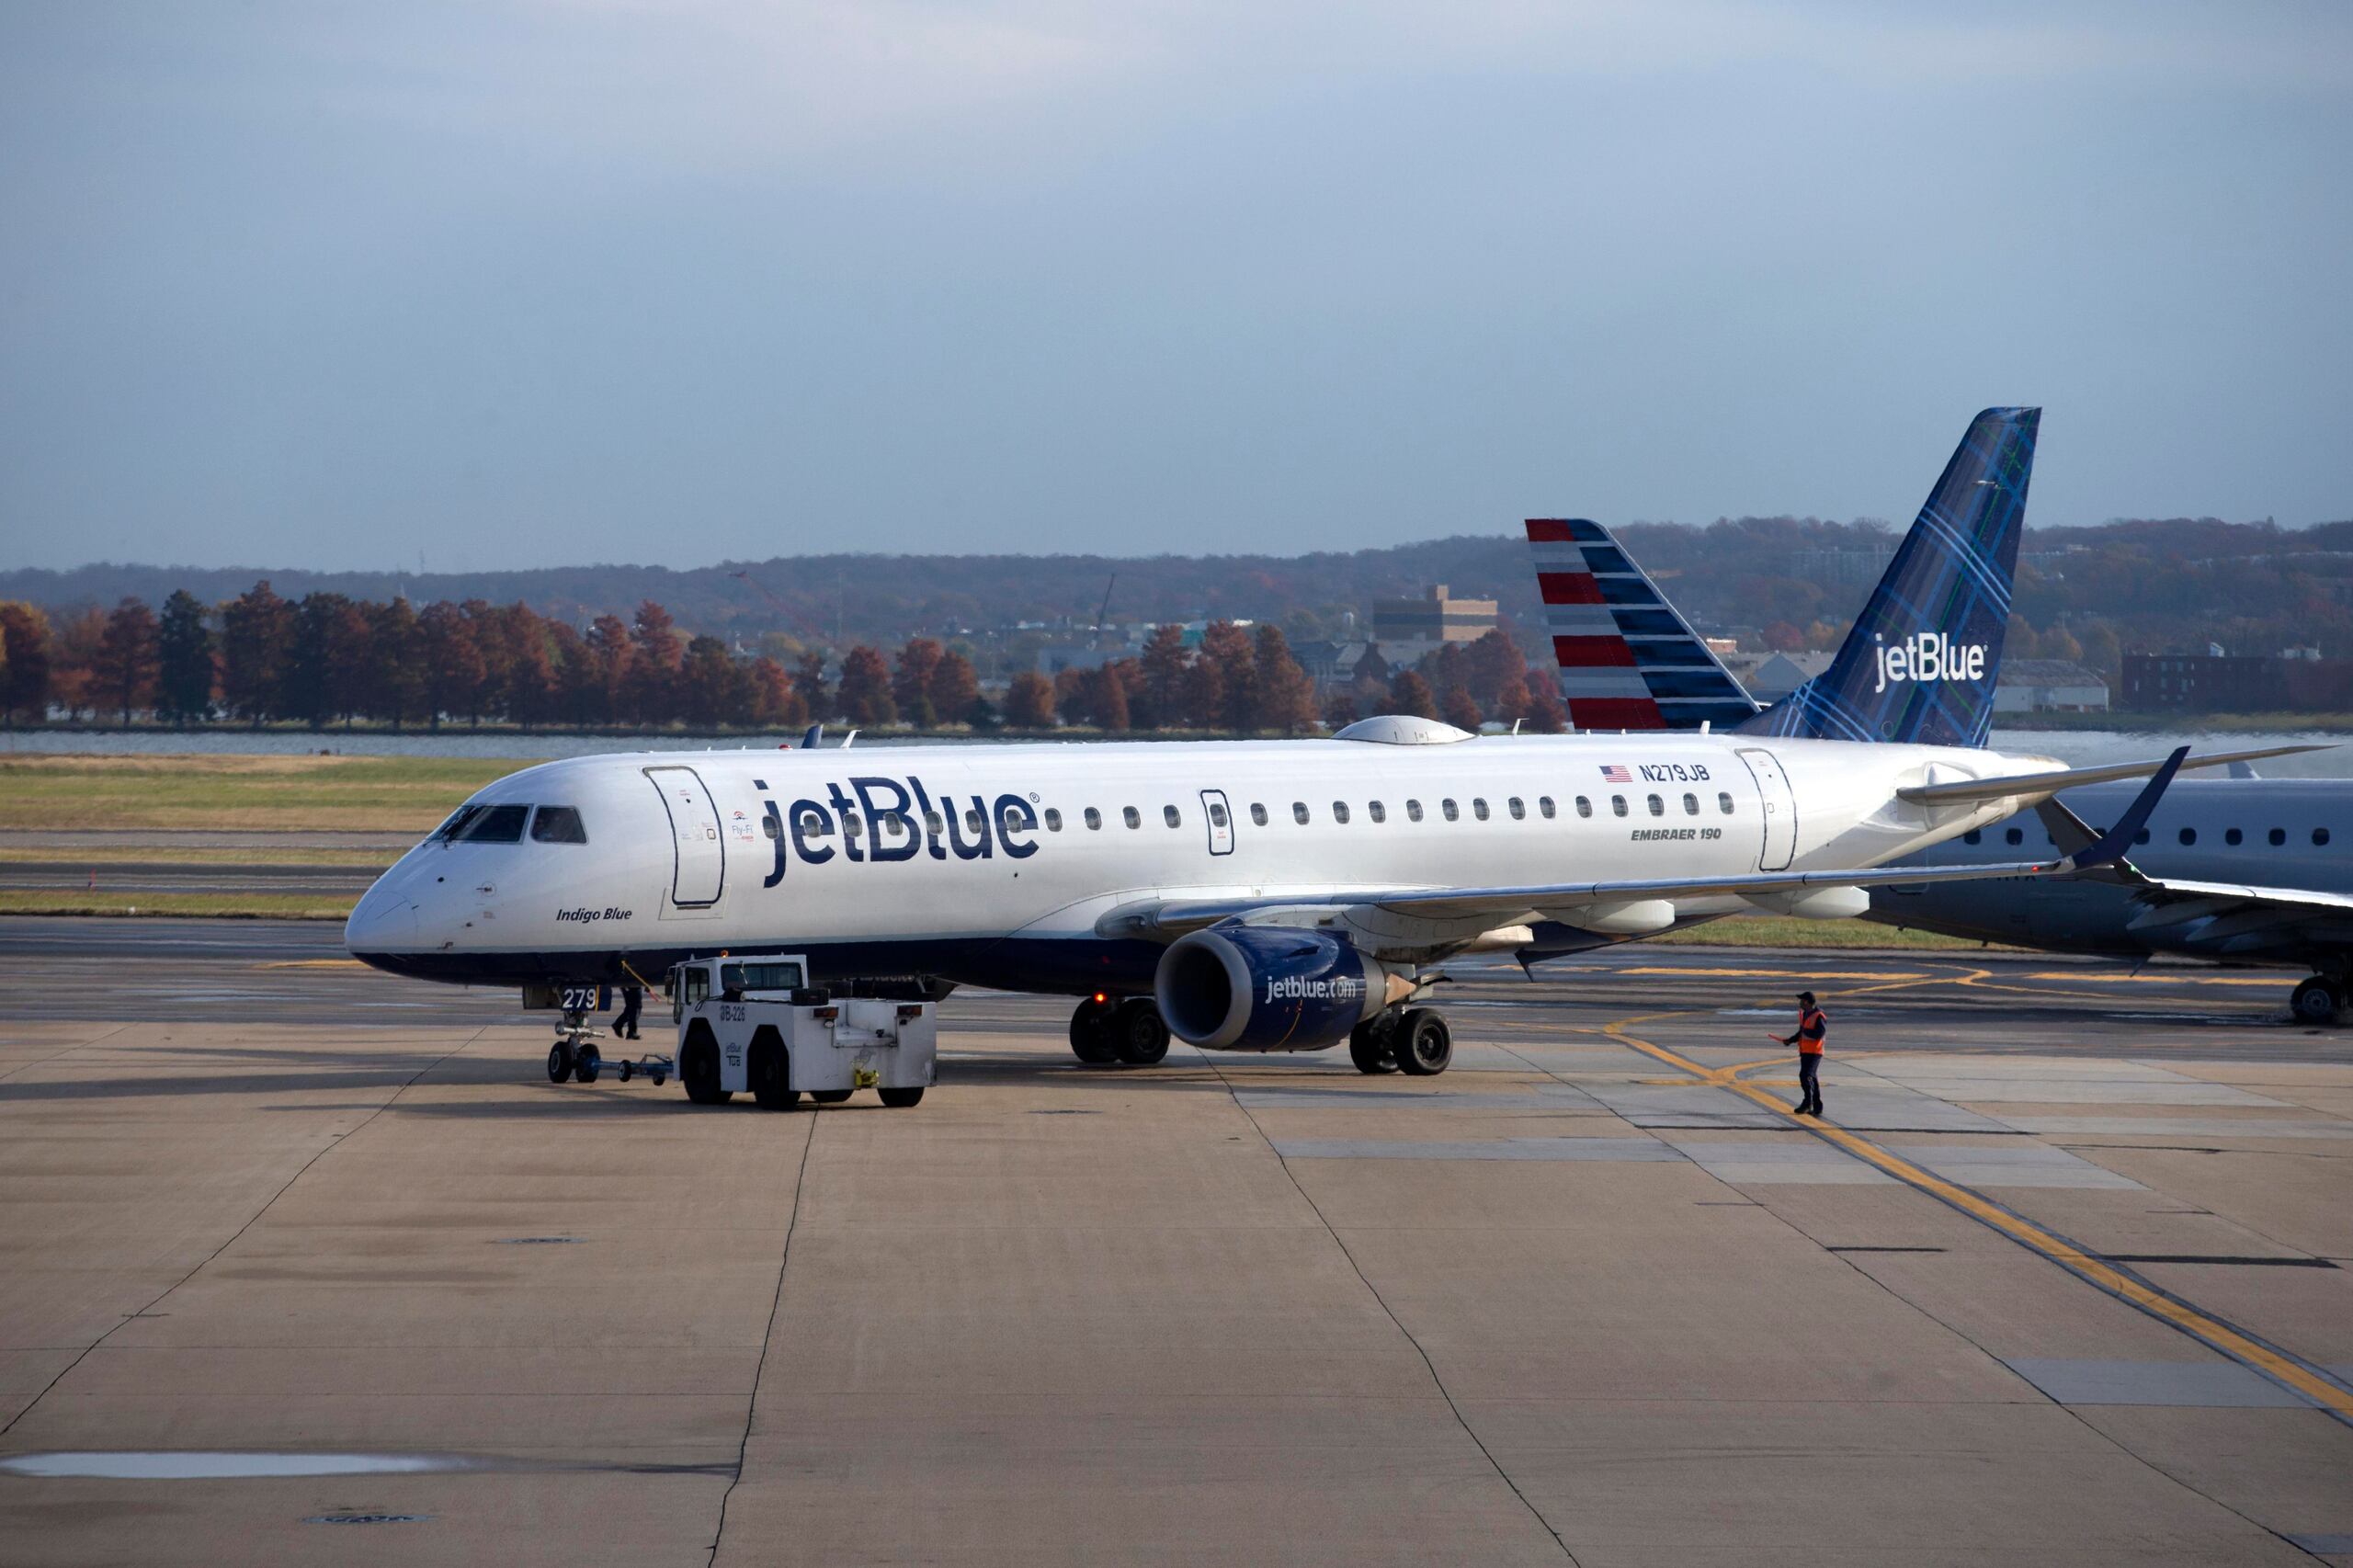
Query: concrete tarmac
x=285, y=1277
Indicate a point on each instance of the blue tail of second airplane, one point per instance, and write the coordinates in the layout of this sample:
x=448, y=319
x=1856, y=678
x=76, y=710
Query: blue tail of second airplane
x=1922, y=659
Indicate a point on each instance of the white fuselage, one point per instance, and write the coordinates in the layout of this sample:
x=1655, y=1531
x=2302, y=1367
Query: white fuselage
x=692, y=853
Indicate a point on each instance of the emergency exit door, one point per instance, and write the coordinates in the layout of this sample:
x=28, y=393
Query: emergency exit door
x=1781, y=810
x=699, y=871
x=1220, y=821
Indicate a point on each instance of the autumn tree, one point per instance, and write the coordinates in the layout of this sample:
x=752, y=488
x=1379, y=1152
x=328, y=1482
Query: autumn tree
x=183, y=660
x=1410, y=694
x=528, y=660
x=865, y=696
x=1460, y=709
x=1545, y=715
x=911, y=682
x=397, y=680
x=453, y=662
x=257, y=642
x=1225, y=648
x=24, y=663
x=125, y=669
x=809, y=680
x=1282, y=697
x=1161, y=703
x=774, y=704
x=709, y=688
x=1029, y=704
x=611, y=656
x=955, y=690
x=653, y=675
x=74, y=667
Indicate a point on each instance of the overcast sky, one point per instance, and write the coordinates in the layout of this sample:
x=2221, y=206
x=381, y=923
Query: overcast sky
x=518, y=282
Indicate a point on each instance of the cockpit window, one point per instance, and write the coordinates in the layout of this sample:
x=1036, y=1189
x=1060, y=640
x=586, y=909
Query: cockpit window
x=447, y=832
x=496, y=824
x=559, y=825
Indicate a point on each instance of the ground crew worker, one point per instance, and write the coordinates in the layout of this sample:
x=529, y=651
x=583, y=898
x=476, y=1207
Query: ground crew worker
x=625, y=1024
x=1811, y=1027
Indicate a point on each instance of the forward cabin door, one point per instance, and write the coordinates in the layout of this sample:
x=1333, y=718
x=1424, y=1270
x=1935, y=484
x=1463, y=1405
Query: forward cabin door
x=1221, y=820
x=700, y=868
x=1781, y=809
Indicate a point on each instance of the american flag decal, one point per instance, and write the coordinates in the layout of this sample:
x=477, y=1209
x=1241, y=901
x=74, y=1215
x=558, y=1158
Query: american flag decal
x=1613, y=774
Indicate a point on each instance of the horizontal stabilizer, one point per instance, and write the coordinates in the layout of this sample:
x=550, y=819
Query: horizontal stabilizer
x=1967, y=792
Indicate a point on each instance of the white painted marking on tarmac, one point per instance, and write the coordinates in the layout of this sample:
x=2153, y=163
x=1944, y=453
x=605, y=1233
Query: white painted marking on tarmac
x=196, y=1465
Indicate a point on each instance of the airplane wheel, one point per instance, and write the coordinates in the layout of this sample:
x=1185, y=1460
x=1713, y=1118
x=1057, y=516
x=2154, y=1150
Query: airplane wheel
x=699, y=1071
x=829, y=1096
x=899, y=1099
x=1139, y=1038
x=586, y=1064
x=1090, y=1032
x=1425, y=1045
x=2314, y=1001
x=772, y=1075
x=1372, y=1046
x=559, y=1061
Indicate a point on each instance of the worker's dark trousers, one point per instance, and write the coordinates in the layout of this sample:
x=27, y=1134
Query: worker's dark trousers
x=1810, y=1081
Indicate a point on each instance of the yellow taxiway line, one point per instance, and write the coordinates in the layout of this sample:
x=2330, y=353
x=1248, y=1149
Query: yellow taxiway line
x=2088, y=1267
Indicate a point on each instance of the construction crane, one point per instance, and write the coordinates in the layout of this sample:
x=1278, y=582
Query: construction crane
x=791, y=615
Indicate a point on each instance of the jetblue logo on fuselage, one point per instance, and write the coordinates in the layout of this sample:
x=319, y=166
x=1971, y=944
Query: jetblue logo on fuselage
x=877, y=819
x=1928, y=656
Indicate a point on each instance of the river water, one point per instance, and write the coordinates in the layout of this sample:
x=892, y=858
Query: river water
x=2078, y=748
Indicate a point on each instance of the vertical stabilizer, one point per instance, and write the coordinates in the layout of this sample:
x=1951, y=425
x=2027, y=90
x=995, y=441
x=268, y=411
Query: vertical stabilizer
x=1923, y=657
x=1628, y=659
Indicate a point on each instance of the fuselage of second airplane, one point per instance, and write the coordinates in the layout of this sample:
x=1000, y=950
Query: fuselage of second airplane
x=993, y=864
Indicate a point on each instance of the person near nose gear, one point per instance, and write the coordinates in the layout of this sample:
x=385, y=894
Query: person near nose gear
x=1811, y=1027
x=625, y=1022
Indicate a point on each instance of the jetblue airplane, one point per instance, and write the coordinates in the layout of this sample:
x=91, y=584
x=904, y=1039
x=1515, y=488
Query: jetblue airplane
x=1267, y=895
x=2240, y=870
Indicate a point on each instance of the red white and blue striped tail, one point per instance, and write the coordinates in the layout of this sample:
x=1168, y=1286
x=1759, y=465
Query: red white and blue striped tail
x=1628, y=659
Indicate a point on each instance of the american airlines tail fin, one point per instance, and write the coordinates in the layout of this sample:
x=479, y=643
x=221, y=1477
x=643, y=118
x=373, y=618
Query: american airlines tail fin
x=1922, y=659
x=1628, y=659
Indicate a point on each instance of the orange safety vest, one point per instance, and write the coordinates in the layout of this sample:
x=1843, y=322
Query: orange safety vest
x=1812, y=1026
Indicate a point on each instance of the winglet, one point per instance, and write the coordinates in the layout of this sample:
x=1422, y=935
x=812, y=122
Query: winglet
x=2116, y=840
x=809, y=741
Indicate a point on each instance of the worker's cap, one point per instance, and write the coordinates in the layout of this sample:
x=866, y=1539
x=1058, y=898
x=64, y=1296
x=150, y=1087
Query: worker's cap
x=1806, y=997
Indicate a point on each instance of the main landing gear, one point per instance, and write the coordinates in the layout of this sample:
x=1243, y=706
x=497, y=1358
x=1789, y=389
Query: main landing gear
x=1413, y=1041
x=1129, y=1030
x=2317, y=1001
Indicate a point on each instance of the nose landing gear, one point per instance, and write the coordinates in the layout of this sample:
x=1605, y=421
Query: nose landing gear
x=573, y=1055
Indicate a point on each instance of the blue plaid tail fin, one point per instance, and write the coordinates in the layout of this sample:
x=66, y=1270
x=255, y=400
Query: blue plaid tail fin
x=1922, y=661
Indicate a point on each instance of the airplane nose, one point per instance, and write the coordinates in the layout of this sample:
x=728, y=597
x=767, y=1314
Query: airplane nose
x=381, y=922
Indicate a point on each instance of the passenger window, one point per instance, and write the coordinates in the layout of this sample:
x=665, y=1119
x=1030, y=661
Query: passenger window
x=1340, y=812
x=2189, y=836
x=1690, y=805
x=1299, y=811
x=972, y=820
x=1217, y=814
x=1973, y=836
x=1413, y=810
x=499, y=825
x=2014, y=836
x=1585, y=807
x=1658, y=807
x=1378, y=811
x=1617, y=804
x=1544, y=805
x=1479, y=808
x=562, y=825
x=1724, y=802
x=1093, y=819
x=2279, y=836
x=1009, y=820
x=931, y=821
x=1169, y=815
x=2320, y=836
x=1132, y=816
x=2232, y=837
x=1449, y=809
x=1258, y=813
x=1519, y=812
x=1053, y=820
x=891, y=826
x=817, y=825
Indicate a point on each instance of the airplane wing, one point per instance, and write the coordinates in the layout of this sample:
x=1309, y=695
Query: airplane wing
x=1506, y=906
x=1968, y=791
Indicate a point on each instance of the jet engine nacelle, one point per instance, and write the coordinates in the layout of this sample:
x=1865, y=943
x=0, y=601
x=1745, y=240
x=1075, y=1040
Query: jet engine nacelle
x=1236, y=987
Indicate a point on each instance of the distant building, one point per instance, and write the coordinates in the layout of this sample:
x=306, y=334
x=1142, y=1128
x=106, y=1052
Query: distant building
x=1332, y=665
x=2297, y=681
x=2049, y=686
x=1430, y=621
